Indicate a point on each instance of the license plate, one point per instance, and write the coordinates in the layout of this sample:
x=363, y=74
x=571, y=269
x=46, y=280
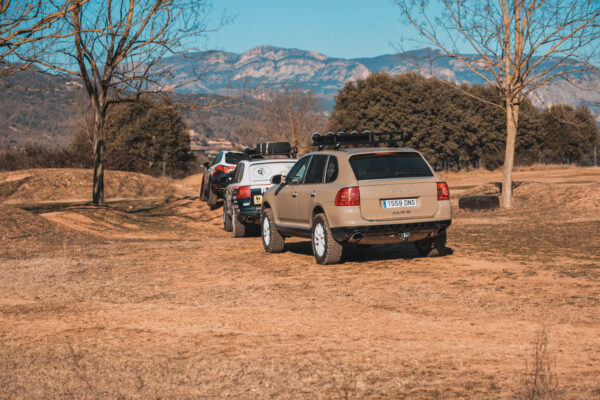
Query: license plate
x=396, y=203
x=258, y=199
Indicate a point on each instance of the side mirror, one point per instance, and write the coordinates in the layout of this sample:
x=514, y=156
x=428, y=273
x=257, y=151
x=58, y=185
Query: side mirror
x=224, y=180
x=206, y=164
x=277, y=179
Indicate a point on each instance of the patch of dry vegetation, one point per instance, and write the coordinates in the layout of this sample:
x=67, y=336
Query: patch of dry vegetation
x=541, y=381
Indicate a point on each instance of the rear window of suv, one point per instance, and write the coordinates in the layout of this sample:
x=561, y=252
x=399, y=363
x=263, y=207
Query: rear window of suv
x=389, y=166
x=233, y=158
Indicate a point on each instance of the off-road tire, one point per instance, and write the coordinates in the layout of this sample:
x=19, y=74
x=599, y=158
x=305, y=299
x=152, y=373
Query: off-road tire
x=432, y=247
x=475, y=203
x=275, y=241
x=325, y=248
x=227, y=225
x=212, y=198
x=238, y=227
x=203, y=196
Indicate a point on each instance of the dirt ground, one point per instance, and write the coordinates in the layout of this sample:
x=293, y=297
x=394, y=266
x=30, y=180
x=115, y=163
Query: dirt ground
x=152, y=299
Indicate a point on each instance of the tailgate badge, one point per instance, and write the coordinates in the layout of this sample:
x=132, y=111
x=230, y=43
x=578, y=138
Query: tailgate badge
x=404, y=235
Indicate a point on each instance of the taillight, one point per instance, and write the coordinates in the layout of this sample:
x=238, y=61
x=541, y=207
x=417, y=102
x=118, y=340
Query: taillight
x=443, y=191
x=349, y=196
x=243, y=192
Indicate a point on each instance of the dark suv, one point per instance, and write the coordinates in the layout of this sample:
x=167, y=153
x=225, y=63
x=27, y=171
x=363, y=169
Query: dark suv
x=213, y=184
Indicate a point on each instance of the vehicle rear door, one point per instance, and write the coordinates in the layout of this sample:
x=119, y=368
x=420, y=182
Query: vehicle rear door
x=308, y=191
x=287, y=194
x=233, y=186
x=395, y=186
x=260, y=174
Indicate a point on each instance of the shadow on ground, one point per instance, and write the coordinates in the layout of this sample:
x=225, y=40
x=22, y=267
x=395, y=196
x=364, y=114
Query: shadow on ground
x=404, y=251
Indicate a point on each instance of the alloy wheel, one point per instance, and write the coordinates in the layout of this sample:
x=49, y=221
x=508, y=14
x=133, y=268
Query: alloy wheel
x=266, y=231
x=319, y=239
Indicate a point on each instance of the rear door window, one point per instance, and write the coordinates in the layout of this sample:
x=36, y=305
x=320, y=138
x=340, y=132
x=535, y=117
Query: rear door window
x=331, y=172
x=316, y=169
x=239, y=172
x=297, y=172
x=389, y=166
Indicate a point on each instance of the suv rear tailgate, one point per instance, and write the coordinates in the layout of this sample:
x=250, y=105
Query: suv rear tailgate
x=418, y=195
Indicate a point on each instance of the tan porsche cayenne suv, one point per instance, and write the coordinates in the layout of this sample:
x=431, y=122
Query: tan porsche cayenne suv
x=359, y=196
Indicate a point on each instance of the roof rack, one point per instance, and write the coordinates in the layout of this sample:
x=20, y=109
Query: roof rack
x=270, y=149
x=336, y=140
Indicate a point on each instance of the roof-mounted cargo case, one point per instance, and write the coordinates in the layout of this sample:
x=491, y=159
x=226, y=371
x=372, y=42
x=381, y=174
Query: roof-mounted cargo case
x=336, y=140
x=270, y=149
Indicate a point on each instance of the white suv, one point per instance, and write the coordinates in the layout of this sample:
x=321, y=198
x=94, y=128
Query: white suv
x=243, y=196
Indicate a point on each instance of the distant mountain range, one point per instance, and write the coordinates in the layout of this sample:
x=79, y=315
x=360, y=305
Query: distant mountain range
x=52, y=113
x=268, y=66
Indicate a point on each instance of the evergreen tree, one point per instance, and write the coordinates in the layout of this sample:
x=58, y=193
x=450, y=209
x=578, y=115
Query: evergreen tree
x=449, y=124
x=570, y=134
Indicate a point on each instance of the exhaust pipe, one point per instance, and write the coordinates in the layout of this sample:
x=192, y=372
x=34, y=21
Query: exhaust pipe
x=356, y=237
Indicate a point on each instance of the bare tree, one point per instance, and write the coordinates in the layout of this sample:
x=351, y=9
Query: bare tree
x=518, y=46
x=292, y=113
x=26, y=28
x=115, y=47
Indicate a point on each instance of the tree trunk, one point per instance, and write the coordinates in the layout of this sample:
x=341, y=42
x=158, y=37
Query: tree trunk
x=512, y=122
x=98, y=188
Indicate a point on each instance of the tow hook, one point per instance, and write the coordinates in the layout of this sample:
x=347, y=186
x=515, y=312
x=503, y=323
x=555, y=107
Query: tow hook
x=404, y=235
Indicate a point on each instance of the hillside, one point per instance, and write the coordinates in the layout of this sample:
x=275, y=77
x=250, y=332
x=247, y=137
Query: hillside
x=47, y=114
x=269, y=66
x=52, y=112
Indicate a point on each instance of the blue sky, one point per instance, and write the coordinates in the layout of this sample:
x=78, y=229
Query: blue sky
x=337, y=28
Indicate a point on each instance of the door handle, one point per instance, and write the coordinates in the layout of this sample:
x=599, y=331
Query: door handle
x=313, y=194
x=294, y=194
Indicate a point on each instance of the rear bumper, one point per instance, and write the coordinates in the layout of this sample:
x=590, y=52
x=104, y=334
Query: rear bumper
x=249, y=216
x=389, y=233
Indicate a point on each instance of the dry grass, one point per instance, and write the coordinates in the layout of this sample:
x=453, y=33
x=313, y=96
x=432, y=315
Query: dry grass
x=541, y=381
x=162, y=303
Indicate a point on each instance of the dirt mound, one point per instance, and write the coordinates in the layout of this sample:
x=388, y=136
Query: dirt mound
x=175, y=218
x=579, y=197
x=18, y=223
x=193, y=180
x=39, y=185
x=23, y=233
x=565, y=197
x=188, y=187
x=479, y=190
x=193, y=207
